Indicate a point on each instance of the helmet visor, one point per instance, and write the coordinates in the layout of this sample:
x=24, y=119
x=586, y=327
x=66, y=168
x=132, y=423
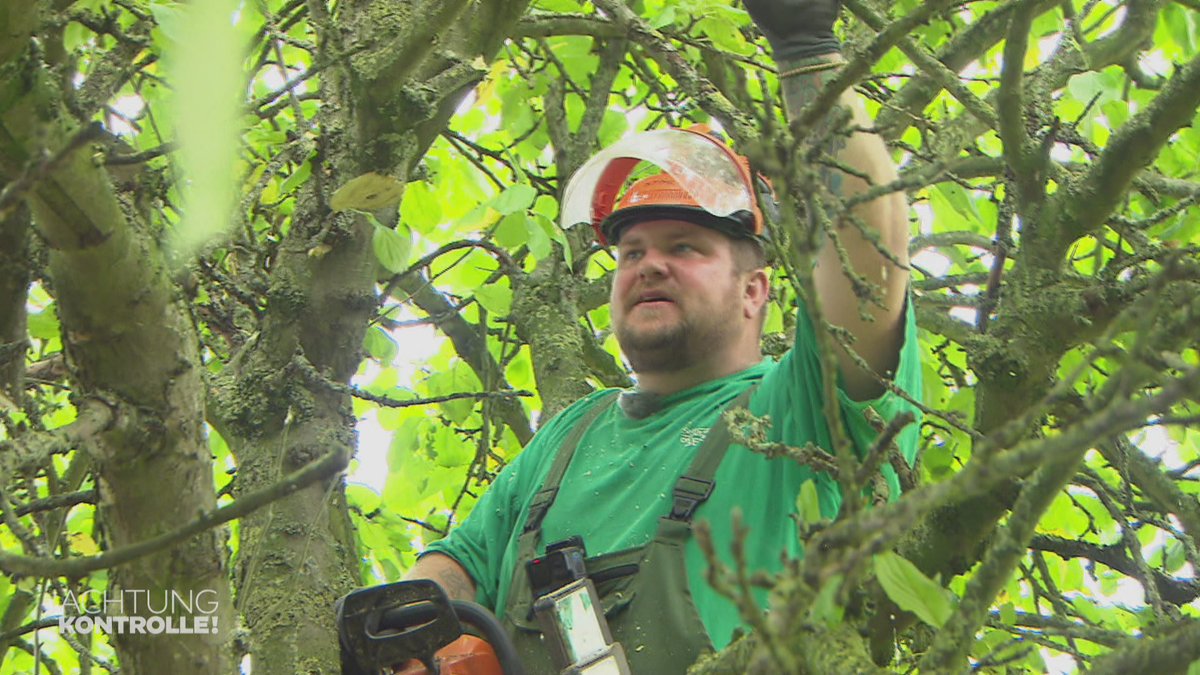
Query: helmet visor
x=703, y=166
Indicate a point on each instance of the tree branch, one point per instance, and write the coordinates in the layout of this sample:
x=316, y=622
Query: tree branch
x=1084, y=206
x=862, y=60
x=734, y=121
x=962, y=48
x=1011, y=94
x=470, y=347
x=1169, y=655
x=325, y=467
x=949, y=650
x=1175, y=591
x=1144, y=472
x=28, y=452
x=877, y=528
x=933, y=69
x=549, y=25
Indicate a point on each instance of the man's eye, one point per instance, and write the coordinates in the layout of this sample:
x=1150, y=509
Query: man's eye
x=629, y=255
x=683, y=247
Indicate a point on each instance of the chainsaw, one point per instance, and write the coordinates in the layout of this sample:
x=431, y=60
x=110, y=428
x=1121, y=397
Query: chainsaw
x=388, y=627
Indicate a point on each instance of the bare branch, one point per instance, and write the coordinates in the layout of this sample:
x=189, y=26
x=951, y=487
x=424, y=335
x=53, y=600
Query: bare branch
x=949, y=650
x=1084, y=206
x=1171, y=653
x=327, y=466
x=28, y=452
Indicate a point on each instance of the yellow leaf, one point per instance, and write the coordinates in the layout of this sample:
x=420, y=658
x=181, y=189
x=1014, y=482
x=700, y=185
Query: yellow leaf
x=83, y=543
x=488, y=86
x=367, y=192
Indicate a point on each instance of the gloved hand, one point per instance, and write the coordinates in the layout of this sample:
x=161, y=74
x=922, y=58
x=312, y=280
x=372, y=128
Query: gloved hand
x=796, y=29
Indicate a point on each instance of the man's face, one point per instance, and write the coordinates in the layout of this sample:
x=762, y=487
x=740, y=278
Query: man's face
x=675, y=295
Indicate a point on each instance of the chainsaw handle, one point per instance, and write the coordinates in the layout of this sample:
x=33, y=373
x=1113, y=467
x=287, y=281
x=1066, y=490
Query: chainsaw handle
x=470, y=613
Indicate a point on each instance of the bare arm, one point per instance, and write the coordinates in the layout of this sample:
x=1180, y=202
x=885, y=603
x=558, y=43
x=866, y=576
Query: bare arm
x=447, y=572
x=878, y=341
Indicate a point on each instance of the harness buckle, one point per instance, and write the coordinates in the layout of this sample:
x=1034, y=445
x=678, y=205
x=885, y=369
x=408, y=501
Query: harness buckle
x=689, y=493
x=538, y=508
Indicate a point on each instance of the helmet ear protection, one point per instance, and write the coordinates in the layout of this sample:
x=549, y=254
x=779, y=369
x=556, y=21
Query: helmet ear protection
x=701, y=180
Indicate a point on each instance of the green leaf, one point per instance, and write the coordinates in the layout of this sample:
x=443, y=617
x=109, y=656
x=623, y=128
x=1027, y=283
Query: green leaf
x=457, y=379
x=911, y=590
x=774, y=321
x=379, y=344
x=808, y=503
x=419, y=208
x=392, y=248
x=1008, y=614
x=1194, y=668
x=1087, y=609
x=171, y=19
x=43, y=325
x=363, y=497
x=663, y=18
x=515, y=198
x=519, y=372
x=540, y=230
x=450, y=450
x=495, y=298
x=5, y=592
x=1174, y=556
x=724, y=35
x=959, y=200
x=391, y=418
x=408, y=437
x=298, y=176
x=1182, y=26
x=512, y=230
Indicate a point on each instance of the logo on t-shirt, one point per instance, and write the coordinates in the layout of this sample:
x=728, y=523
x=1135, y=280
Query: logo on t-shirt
x=692, y=436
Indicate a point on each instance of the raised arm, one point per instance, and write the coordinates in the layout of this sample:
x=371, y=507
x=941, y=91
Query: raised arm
x=802, y=39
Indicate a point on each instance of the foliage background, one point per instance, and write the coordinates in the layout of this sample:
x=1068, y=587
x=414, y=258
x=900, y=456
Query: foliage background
x=159, y=358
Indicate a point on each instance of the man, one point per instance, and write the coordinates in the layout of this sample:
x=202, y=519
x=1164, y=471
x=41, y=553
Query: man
x=687, y=304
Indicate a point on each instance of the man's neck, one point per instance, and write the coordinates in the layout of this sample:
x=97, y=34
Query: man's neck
x=669, y=382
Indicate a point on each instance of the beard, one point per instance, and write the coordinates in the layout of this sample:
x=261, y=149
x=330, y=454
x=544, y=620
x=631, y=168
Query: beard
x=660, y=349
x=675, y=346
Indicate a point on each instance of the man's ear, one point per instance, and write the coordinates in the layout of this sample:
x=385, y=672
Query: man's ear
x=755, y=292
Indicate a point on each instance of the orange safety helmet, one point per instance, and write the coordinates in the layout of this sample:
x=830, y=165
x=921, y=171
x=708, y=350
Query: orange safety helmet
x=702, y=181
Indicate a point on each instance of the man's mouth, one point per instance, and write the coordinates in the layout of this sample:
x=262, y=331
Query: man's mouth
x=653, y=299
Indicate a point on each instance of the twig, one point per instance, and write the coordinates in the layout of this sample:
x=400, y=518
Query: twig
x=405, y=403
x=38, y=624
x=56, y=502
x=113, y=159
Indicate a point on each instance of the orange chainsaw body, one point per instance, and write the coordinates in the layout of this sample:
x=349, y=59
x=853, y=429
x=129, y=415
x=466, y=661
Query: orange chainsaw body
x=468, y=655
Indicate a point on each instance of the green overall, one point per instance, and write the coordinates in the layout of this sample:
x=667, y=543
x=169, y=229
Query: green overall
x=643, y=590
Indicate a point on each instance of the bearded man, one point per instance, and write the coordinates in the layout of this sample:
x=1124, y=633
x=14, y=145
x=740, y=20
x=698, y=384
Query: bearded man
x=628, y=472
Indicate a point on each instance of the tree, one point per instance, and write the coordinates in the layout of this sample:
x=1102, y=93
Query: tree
x=178, y=414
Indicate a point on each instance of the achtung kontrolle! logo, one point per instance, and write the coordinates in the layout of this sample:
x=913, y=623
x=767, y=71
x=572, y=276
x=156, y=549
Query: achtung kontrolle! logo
x=140, y=611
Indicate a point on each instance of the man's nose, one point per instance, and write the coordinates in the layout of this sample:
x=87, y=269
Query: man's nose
x=652, y=263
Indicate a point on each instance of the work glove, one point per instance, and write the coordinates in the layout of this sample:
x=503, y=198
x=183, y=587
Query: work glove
x=796, y=29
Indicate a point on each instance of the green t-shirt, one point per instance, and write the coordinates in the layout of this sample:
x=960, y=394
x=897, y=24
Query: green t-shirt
x=619, y=482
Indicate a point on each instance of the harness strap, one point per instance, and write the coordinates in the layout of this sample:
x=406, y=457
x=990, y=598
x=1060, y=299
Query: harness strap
x=545, y=497
x=690, y=490
x=696, y=484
